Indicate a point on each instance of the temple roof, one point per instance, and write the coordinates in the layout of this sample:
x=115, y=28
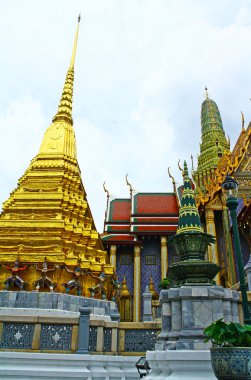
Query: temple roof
x=238, y=164
x=144, y=213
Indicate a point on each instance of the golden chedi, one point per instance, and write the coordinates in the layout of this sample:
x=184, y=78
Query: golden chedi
x=46, y=224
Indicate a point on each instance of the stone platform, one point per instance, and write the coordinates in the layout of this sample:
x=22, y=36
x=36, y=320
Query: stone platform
x=176, y=365
x=54, y=301
x=36, y=366
x=187, y=310
x=179, y=365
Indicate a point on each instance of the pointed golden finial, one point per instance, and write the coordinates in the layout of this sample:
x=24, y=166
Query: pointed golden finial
x=75, y=44
x=106, y=190
x=124, y=289
x=65, y=105
x=107, y=203
x=172, y=178
x=242, y=121
x=206, y=93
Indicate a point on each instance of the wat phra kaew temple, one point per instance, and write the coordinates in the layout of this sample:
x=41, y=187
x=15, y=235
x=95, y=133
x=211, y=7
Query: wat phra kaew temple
x=137, y=228
x=55, y=264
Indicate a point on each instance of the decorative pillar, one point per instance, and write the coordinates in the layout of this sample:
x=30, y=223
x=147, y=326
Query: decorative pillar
x=229, y=247
x=248, y=272
x=164, y=256
x=83, y=330
x=147, y=305
x=113, y=250
x=213, y=255
x=136, y=291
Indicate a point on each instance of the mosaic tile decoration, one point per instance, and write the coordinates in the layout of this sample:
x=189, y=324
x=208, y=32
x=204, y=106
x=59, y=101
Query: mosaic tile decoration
x=150, y=247
x=107, y=340
x=92, y=338
x=55, y=337
x=140, y=340
x=125, y=270
x=17, y=335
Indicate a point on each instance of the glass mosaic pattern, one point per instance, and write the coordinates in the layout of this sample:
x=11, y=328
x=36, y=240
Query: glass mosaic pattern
x=107, y=340
x=55, y=337
x=140, y=340
x=92, y=338
x=125, y=270
x=17, y=335
x=151, y=247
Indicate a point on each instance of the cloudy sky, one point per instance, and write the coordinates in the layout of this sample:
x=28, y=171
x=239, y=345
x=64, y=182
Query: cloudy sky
x=140, y=74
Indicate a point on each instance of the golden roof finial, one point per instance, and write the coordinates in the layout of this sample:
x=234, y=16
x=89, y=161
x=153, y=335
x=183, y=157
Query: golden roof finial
x=75, y=44
x=107, y=203
x=182, y=170
x=172, y=178
x=65, y=105
x=128, y=184
x=242, y=121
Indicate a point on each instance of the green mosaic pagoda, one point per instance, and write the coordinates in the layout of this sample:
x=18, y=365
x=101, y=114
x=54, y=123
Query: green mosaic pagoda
x=191, y=243
x=213, y=143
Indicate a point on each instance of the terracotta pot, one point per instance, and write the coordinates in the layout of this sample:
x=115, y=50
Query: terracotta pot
x=231, y=363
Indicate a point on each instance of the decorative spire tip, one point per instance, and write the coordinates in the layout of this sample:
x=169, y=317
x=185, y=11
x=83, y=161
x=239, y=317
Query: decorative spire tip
x=206, y=92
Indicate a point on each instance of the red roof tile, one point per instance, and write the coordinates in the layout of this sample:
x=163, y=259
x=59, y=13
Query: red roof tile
x=120, y=210
x=155, y=203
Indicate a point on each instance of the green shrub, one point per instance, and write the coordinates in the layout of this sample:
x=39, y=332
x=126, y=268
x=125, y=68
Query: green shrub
x=228, y=334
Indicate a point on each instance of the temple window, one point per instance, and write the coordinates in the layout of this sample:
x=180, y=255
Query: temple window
x=125, y=260
x=151, y=260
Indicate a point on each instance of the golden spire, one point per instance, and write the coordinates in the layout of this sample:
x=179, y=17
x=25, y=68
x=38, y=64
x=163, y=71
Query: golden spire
x=124, y=289
x=242, y=121
x=65, y=105
x=59, y=138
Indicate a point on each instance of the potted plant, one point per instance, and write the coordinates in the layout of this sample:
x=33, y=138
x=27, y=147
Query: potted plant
x=231, y=351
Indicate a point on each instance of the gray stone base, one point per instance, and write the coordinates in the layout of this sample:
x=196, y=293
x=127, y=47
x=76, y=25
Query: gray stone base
x=186, y=311
x=180, y=365
x=54, y=301
x=38, y=366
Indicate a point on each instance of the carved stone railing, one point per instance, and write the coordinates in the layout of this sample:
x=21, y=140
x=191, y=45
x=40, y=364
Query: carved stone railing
x=60, y=333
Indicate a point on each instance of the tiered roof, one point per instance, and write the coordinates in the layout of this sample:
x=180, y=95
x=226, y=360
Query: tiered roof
x=142, y=214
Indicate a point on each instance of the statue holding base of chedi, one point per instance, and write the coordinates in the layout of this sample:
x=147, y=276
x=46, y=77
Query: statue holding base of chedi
x=14, y=279
x=44, y=281
x=74, y=283
x=103, y=284
x=116, y=289
x=99, y=288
